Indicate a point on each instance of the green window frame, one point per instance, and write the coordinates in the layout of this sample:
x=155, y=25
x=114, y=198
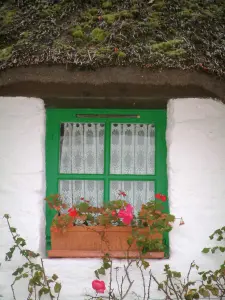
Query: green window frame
x=107, y=116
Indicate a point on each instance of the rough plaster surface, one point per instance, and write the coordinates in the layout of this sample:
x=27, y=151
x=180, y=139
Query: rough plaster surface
x=196, y=171
x=97, y=83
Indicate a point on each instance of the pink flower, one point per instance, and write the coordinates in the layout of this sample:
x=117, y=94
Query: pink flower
x=121, y=193
x=161, y=197
x=126, y=214
x=98, y=286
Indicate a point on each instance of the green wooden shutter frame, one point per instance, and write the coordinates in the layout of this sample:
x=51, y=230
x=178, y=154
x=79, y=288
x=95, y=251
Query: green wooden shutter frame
x=57, y=116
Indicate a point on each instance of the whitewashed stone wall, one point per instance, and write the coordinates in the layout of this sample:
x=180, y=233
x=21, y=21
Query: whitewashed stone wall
x=196, y=172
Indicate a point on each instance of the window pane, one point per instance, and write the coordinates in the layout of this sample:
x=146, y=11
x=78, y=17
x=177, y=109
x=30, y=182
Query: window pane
x=73, y=190
x=132, y=149
x=82, y=148
x=138, y=192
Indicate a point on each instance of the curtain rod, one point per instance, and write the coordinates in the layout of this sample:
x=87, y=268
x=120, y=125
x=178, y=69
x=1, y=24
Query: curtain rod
x=106, y=116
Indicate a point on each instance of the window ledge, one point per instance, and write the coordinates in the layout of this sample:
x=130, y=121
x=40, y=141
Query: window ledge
x=99, y=254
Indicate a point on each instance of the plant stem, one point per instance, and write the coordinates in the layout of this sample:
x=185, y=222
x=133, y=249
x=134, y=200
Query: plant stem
x=149, y=285
x=46, y=281
x=110, y=280
x=117, y=281
x=17, y=245
x=143, y=281
x=174, y=289
x=165, y=291
x=13, y=291
x=130, y=282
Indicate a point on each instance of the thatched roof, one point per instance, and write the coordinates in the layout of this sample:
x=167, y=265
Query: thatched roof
x=153, y=34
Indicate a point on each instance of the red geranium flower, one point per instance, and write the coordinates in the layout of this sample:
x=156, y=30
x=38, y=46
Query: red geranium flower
x=161, y=197
x=72, y=212
x=113, y=213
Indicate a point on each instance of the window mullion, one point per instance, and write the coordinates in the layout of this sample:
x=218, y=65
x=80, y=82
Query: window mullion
x=107, y=161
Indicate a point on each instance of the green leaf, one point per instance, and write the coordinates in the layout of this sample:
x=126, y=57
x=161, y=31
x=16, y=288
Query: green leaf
x=106, y=265
x=20, y=241
x=204, y=292
x=57, y=287
x=96, y=274
x=83, y=207
x=196, y=296
x=220, y=238
x=130, y=241
x=18, y=278
x=176, y=274
x=6, y=216
x=25, y=275
x=101, y=271
x=206, y=250
x=145, y=264
x=8, y=256
x=160, y=286
x=17, y=272
x=12, y=229
x=213, y=250
x=54, y=277
x=222, y=249
x=215, y=291
x=170, y=218
x=42, y=291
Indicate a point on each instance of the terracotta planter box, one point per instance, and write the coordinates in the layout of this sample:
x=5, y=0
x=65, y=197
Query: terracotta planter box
x=84, y=241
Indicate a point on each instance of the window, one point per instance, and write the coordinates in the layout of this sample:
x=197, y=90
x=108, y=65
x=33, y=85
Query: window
x=95, y=153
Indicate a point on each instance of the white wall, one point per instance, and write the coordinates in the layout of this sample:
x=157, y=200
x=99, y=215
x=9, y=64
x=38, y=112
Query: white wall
x=196, y=172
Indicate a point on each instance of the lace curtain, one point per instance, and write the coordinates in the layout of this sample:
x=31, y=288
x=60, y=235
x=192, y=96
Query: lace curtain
x=82, y=148
x=73, y=190
x=82, y=152
x=138, y=192
x=132, y=149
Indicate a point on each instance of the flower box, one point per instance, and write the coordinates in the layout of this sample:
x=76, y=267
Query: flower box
x=95, y=241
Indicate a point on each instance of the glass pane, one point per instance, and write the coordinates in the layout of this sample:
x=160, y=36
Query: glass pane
x=82, y=148
x=138, y=192
x=73, y=190
x=132, y=149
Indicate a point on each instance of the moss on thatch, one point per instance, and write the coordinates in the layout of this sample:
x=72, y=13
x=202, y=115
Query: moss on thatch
x=187, y=34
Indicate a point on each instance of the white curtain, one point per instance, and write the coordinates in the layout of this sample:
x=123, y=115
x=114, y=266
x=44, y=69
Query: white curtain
x=82, y=152
x=82, y=148
x=138, y=192
x=132, y=149
x=73, y=190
